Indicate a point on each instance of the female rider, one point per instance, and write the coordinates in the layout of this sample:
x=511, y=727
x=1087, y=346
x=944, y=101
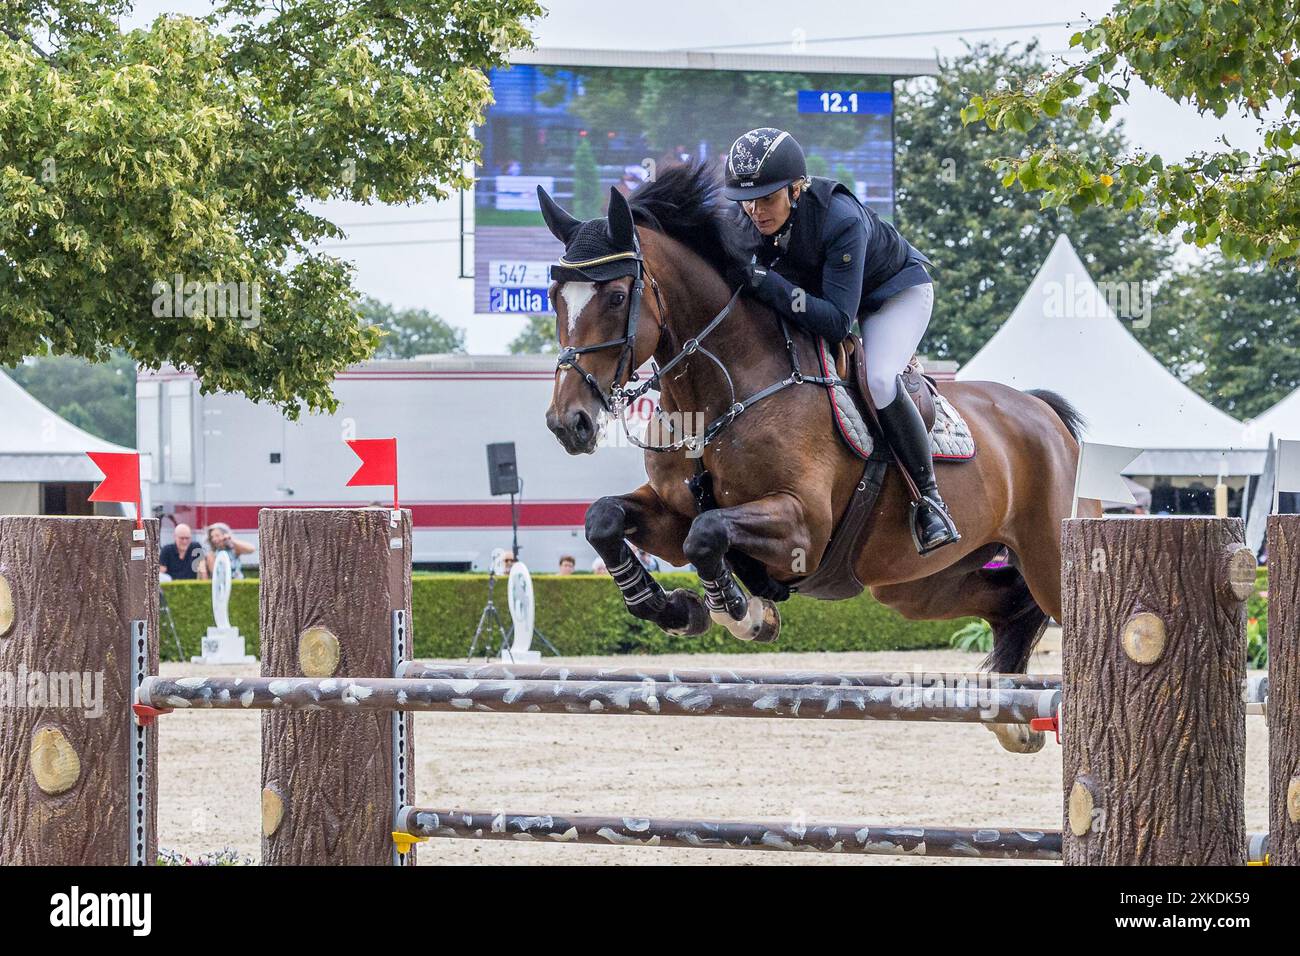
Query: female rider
x=823, y=259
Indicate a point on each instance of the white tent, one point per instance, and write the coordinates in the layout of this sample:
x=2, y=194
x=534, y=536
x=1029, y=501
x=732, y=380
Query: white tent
x=1064, y=336
x=38, y=447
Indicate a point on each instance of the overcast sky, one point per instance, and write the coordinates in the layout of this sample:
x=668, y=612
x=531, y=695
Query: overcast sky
x=422, y=272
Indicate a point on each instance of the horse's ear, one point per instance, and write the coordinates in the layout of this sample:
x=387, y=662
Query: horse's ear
x=622, y=230
x=561, y=224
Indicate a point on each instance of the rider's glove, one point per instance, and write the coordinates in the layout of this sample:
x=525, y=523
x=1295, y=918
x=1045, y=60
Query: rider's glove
x=749, y=276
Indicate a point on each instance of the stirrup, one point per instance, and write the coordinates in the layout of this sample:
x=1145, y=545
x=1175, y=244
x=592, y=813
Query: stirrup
x=950, y=536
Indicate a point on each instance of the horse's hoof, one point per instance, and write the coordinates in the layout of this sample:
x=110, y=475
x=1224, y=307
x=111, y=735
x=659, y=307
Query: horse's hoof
x=770, y=628
x=1018, y=738
x=697, y=615
x=760, y=625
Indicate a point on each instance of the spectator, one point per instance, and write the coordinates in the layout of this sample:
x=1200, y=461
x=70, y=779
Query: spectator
x=220, y=539
x=598, y=567
x=568, y=563
x=182, y=560
x=648, y=560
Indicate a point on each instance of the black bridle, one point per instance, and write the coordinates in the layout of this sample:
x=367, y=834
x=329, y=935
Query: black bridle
x=568, y=357
x=620, y=396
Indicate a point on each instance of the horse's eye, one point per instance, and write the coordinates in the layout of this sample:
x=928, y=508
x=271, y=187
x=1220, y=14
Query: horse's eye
x=618, y=298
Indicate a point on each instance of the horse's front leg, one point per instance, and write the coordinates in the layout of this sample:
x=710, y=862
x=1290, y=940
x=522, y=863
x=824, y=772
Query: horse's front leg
x=643, y=517
x=773, y=531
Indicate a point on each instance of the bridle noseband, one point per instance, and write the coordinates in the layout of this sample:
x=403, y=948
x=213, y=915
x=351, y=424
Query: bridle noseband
x=620, y=396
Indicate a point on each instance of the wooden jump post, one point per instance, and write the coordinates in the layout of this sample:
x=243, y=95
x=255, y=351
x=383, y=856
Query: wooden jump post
x=335, y=598
x=78, y=622
x=1284, y=689
x=1153, y=713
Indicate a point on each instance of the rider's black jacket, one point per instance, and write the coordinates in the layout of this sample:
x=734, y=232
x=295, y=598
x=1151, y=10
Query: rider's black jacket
x=836, y=260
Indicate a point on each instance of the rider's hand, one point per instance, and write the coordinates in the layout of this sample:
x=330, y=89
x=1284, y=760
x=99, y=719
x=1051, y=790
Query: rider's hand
x=750, y=276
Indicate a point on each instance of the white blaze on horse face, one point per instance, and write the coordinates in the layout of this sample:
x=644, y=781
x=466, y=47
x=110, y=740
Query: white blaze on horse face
x=576, y=296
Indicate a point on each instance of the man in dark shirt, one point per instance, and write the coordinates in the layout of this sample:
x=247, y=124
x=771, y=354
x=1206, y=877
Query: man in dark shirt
x=183, y=560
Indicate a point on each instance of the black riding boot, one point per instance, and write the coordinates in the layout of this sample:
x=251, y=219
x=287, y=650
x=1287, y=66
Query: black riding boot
x=932, y=526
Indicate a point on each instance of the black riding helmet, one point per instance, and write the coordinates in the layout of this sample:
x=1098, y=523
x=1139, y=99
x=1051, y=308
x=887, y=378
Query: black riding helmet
x=761, y=162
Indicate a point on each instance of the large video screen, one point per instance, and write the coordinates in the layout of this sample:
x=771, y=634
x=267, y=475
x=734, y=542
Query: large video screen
x=577, y=131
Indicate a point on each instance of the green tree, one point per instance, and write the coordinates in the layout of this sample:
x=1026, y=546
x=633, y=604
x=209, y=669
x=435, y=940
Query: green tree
x=845, y=175
x=96, y=396
x=987, y=244
x=537, y=338
x=1231, y=331
x=588, y=203
x=410, y=332
x=186, y=154
x=1212, y=55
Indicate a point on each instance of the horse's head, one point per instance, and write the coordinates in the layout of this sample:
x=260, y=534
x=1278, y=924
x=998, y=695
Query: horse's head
x=596, y=292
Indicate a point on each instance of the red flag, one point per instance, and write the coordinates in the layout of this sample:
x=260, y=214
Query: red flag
x=378, y=463
x=121, y=478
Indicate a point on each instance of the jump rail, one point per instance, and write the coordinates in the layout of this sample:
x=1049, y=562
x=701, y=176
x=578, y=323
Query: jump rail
x=1256, y=689
x=426, y=670
x=814, y=701
x=985, y=843
x=989, y=843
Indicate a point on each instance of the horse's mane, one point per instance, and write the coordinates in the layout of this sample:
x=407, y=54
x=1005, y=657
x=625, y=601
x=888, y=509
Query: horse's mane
x=684, y=203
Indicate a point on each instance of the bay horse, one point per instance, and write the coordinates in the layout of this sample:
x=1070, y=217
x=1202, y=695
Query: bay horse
x=781, y=476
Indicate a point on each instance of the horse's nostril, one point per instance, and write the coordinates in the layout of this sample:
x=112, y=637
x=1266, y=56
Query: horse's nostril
x=583, y=426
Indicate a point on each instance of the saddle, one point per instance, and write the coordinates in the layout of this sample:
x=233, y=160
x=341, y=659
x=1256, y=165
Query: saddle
x=851, y=366
x=855, y=420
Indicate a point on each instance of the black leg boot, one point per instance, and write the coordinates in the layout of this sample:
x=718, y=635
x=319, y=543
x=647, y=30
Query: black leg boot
x=932, y=526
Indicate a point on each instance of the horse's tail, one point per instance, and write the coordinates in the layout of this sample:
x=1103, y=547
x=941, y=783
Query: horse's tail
x=1067, y=413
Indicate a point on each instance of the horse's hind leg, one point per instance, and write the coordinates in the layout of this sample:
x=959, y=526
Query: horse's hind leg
x=1017, y=623
x=1001, y=598
x=1016, y=629
x=642, y=517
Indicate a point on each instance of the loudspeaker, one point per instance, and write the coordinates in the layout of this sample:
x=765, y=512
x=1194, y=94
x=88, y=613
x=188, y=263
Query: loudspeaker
x=503, y=473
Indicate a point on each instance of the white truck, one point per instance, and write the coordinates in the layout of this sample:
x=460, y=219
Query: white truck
x=221, y=458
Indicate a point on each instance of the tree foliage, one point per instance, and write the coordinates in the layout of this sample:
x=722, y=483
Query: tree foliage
x=987, y=243
x=537, y=338
x=410, y=332
x=184, y=155
x=1214, y=55
x=98, y=397
x=588, y=198
x=1231, y=332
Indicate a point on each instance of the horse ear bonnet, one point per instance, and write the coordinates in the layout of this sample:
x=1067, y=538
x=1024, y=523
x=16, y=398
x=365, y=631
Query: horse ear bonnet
x=599, y=249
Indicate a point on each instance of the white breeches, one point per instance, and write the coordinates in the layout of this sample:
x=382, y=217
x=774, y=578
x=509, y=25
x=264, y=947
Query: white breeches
x=890, y=338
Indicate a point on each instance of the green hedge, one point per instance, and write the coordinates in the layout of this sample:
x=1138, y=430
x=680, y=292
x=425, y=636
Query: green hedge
x=581, y=615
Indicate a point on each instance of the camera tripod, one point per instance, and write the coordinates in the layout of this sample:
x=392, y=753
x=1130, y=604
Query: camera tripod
x=490, y=614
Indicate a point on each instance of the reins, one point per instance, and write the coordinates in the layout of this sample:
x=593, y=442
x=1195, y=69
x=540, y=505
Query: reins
x=620, y=397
